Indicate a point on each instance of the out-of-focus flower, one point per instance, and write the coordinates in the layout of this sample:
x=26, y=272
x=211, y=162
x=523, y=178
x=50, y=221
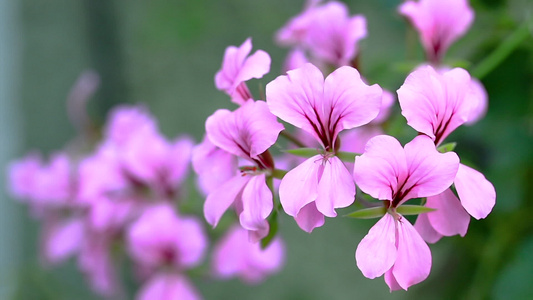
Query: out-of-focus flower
x=235, y=256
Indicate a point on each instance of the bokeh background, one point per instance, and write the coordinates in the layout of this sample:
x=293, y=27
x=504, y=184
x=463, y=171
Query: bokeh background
x=164, y=54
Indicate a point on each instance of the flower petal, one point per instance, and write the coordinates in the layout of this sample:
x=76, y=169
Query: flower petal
x=336, y=188
x=168, y=286
x=380, y=168
x=376, y=253
x=426, y=230
x=221, y=198
x=450, y=218
x=413, y=261
x=351, y=101
x=296, y=98
x=300, y=186
x=256, y=203
x=476, y=193
x=309, y=218
x=430, y=172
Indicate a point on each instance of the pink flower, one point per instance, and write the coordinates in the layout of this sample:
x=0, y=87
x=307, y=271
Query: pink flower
x=439, y=23
x=394, y=174
x=436, y=104
x=247, y=132
x=238, y=67
x=322, y=108
x=235, y=256
x=326, y=31
x=159, y=237
x=168, y=286
x=22, y=176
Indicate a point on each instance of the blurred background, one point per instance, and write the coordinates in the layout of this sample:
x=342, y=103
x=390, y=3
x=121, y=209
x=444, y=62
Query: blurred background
x=164, y=54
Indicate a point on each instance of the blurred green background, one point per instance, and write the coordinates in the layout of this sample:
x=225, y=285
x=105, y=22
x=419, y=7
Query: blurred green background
x=164, y=53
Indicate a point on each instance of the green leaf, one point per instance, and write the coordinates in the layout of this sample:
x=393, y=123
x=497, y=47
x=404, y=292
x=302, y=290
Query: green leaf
x=347, y=156
x=277, y=173
x=273, y=222
x=368, y=213
x=447, y=147
x=303, y=152
x=413, y=209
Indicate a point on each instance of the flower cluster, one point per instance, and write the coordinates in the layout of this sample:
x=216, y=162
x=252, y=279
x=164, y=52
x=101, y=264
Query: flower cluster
x=130, y=189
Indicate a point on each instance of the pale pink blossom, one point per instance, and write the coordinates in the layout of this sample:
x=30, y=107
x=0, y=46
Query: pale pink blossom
x=238, y=67
x=235, y=256
x=435, y=104
x=439, y=23
x=168, y=286
x=247, y=132
x=61, y=239
x=322, y=108
x=327, y=31
x=160, y=237
x=394, y=174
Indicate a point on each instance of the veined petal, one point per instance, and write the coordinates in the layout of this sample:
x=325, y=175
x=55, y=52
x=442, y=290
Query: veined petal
x=348, y=101
x=450, y=218
x=221, y=198
x=426, y=230
x=476, y=193
x=376, y=253
x=256, y=203
x=296, y=98
x=246, y=132
x=255, y=66
x=309, y=218
x=430, y=172
x=413, y=261
x=380, y=168
x=336, y=187
x=436, y=104
x=300, y=186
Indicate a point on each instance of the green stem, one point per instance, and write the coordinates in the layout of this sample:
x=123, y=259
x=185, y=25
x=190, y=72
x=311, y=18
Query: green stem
x=277, y=173
x=502, y=51
x=292, y=138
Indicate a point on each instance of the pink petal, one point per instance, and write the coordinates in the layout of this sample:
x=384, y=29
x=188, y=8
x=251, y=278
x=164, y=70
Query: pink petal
x=22, y=176
x=387, y=101
x=426, y=230
x=297, y=97
x=391, y=281
x=300, y=186
x=255, y=66
x=378, y=171
x=430, y=172
x=256, y=204
x=213, y=165
x=192, y=242
x=124, y=122
x=352, y=102
x=480, y=97
x=439, y=23
x=450, y=218
x=235, y=256
x=435, y=104
x=63, y=240
x=247, y=132
x=413, y=261
x=294, y=60
x=168, y=286
x=309, y=218
x=376, y=253
x=335, y=188
x=476, y=193
x=178, y=162
x=221, y=198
